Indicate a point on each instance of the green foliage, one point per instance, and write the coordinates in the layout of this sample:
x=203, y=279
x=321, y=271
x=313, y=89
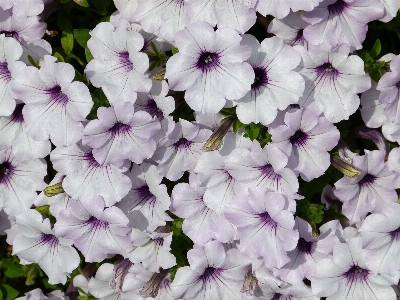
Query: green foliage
x=175, y=50
x=372, y=66
x=157, y=58
x=310, y=212
x=99, y=100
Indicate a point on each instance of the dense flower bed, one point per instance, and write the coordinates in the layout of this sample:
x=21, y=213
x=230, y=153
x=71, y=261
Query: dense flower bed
x=199, y=149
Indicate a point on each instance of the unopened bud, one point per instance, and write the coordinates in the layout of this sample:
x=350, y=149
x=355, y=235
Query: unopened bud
x=160, y=75
x=345, y=167
x=152, y=287
x=250, y=283
x=53, y=190
x=120, y=269
x=217, y=136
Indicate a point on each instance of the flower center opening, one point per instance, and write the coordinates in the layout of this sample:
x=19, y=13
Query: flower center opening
x=356, y=274
x=368, y=179
x=299, y=37
x=182, y=143
x=6, y=170
x=119, y=128
x=49, y=239
x=17, y=116
x=395, y=234
x=304, y=246
x=210, y=273
x=125, y=61
x=144, y=193
x=12, y=34
x=299, y=138
x=208, y=61
x=267, y=220
x=5, y=74
x=57, y=96
x=338, y=7
x=88, y=156
x=260, y=79
x=327, y=69
x=152, y=108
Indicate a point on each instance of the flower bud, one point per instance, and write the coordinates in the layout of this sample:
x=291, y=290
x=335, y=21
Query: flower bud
x=346, y=168
x=160, y=75
x=53, y=190
x=215, y=139
x=250, y=283
x=153, y=285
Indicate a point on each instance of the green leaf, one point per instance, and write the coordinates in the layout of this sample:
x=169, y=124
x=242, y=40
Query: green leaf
x=67, y=38
x=101, y=5
x=13, y=270
x=99, y=100
x=9, y=293
x=154, y=48
x=236, y=125
x=82, y=3
x=252, y=131
x=59, y=57
x=82, y=36
x=175, y=50
x=88, y=54
x=33, y=62
x=376, y=49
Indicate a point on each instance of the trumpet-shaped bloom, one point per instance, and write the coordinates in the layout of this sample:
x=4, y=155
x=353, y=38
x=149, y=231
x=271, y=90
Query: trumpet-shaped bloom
x=213, y=274
x=306, y=140
x=97, y=231
x=341, y=22
x=85, y=176
x=280, y=9
x=210, y=66
x=118, y=67
x=121, y=133
x=54, y=105
x=276, y=85
x=261, y=216
x=37, y=243
x=332, y=81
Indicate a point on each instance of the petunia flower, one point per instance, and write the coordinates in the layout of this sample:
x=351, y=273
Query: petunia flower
x=38, y=243
x=54, y=104
x=118, y=67
x=121, y=133
x=280, y=9
x=97, y=231
x=210, y=66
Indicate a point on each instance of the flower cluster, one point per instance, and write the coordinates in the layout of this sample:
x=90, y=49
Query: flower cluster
x=203, y=172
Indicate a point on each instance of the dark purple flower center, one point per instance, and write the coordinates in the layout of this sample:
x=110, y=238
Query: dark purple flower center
x=6, y=170
x=119, y=128
x=398, y=85
x=152, y=108
x=12, y=34
x=304, y=246
x=96, y=224
x=49, y=239
x=338, y=7
x=182, y=143
x=327, y=70
x=210, y=274
x=395, y=234
x=267, y=220
x=368, y=179
x=299, y=37
x=57, y=96
x=159, y=241
x=277, y=296
x=299, y=138
x=125, y=61
x=267, y=172
x=91, y=160
x=260, y=79
x=208, y=61
x=356, y=274
x=5, y=74
x=144, y=193
x=17, y=116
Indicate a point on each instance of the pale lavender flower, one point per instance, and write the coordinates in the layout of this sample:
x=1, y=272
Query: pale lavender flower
x=210, y=66
x=118, y=67
x=28, y=31
x=84, y=176
x=121, y=133
x=213, y=274
x=97, y=231
x=152, y=250
x=372, y=111
x=180, y=150
x=156, y=102
x=332, y=81
x=27, y=7
x=163, y=17
x=365, y=193
x=10, y=52
x=159, y=284
x=19, y=181
x=306, y=140
x=290, y=29
x=37, y=294
x=261, y=215
x=346, y=276
x=237, y=14
x=13, y=133
x=264, y=168
x=127, y=9
x=342, y=21
x=381, y=238
x=389, y=86
x=147, y=196
x=391, y=9
x=394, y=163
x=54, y=105
x=297, y=291
x=276, y=85
x=201, y=223
x=37, y=243
x=308, y=252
